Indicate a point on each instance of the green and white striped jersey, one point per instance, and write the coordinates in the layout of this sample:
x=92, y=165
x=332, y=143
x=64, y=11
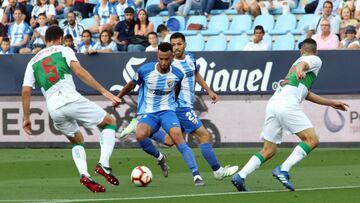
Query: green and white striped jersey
x=50, y=70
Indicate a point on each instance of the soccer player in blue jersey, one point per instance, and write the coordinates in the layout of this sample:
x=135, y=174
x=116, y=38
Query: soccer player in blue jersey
x=159, y=83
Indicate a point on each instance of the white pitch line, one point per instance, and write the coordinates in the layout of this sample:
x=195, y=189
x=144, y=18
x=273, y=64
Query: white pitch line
x=179, y=196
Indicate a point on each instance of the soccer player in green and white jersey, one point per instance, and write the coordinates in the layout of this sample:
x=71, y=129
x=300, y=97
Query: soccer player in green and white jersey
x=284, y=112
x=51, y=70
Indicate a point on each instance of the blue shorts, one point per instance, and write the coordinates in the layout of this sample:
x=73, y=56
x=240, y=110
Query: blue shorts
x=188, y=119
x=166, y=119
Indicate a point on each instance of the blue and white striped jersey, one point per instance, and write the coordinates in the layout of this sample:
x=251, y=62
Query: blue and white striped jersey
x=188, y=66
x=75, y=32
x=104, y=13
x=82, y=47
x=156, y=92
x=42, y=31
x=121, y=7
x=17, y=32
x=111, y=45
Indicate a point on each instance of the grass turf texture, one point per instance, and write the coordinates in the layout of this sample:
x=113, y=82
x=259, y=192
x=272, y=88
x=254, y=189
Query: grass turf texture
x=50, y=175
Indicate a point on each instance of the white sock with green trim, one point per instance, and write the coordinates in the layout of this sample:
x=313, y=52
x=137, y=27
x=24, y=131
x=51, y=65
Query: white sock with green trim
x=253, y=164
x=79, y=156
x=107, y=143
x=297, y=155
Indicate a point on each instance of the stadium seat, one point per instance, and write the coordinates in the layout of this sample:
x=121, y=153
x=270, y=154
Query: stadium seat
x=156, y=20
x=299, y=8
x=284, y=42
x=216, y=25
x=216, y=43
x=150, y=2
x=164, y=13
x=304, y=23
x=284, y=24
x=231, y=10
x=87, y=22
x=195, y=19
x=267, y=21
x=181, y=20
x=267, y=38
x=239, y=24
x=237, y=43
x=195, y=43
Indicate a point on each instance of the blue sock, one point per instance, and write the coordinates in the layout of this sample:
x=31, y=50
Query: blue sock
x=209, y=155
x=149, y=147
x=189, y=158
x=159, y=136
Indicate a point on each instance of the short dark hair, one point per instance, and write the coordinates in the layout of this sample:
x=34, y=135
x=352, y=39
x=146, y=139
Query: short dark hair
x=87, y=31
x=17, y=8
x=259, y=27
x=72, y=13
x=152, y=33
x=161, y=28
x=308, y=45
x=42, y=14
x=5, y=39
x=165, y=47
x=53, y=33
x=129, y=10
x=68, y=36
x=177, y=35
x=328, y=2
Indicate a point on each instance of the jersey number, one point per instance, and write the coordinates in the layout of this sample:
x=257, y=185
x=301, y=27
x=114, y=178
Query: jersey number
x=50, y=68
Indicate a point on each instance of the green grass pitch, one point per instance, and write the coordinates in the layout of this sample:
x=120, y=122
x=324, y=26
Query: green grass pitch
x=49, y=175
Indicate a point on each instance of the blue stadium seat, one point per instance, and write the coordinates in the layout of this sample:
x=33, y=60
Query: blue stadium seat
x=216, y=43
x=156, y=20
x=87, y=22
x=195, y=43
x=238, y=43
x=216, y=25
x=231, y=10
x=304, y=23
x=239, y=24
x=267, y=21
x=150, y=2
x=284, y=42
x=181, y=20
x=164, y=13
x=299, y=8
x=284, y=24
x=195, y=19
x=300, y=39
x=267, y=38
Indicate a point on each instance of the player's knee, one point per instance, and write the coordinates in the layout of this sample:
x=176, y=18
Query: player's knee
x=176, y=136
x=203, y=136
x=168, y=141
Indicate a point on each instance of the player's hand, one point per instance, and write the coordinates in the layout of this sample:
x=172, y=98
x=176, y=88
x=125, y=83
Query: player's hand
x=27, y=126
x=114, y=99
x=340, y=105
x=214, y=97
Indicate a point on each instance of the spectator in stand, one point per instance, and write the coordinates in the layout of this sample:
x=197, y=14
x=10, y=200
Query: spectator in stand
x=62, y=7
x=74, y=28
x=251, y=6
x=87, y=44
x=121, y=6
x=311, y=5
x=170, y=5
x=26, y=9
x=105, y=16
x=83, y=8
x=350, y=41
x=346, y=20
x=257, y=43
x=320, y=7
x=184, y=9
x=38, y=37
x=2, y=32
x=326, y=40
x=143, y=26
x=8, y=15
x=164, y=33
x=42, y=6
x=5, y=46
x=124, y=30
x=357, y=10
x=334, y=20
x=18, y=33
x=153, y=40
x=208, y=5
x=105, y=43
x=265, y=6
x=69, y=42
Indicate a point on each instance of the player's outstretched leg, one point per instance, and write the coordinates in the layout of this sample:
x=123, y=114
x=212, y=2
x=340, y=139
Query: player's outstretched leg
x=107, y=143
x=93, y=186
x=283, y=177
x=131, y=128
x=254, y=163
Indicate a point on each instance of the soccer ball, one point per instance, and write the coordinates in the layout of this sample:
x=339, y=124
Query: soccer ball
x=141, y=176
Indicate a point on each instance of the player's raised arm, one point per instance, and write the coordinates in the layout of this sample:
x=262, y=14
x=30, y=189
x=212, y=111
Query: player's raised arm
x=26, y=97
x=87, y=78
x=327, y=102
x=213, y=96
x=301, y=69
x=128, y=87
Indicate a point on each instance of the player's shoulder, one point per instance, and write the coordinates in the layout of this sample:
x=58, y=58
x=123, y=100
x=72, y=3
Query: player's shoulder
x=147, y=67
x=176, y=71
x=191, y=56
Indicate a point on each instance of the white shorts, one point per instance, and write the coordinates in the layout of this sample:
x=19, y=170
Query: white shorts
x=87, y=113
x=282, y=115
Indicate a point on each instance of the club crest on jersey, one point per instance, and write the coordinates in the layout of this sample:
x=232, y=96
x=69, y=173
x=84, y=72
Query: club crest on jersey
x=170, y=83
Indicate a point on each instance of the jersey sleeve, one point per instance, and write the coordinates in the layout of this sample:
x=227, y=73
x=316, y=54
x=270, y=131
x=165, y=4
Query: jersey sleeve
x=193, y=60
x=314, y=63
x=69, y=55
x=139, y=76
x=29, y=78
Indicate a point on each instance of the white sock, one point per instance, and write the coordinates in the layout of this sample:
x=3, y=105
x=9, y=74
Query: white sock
x=297, y=155
x=160, y=156
x=79, y=156
x=107, y=143
x=250, y=166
